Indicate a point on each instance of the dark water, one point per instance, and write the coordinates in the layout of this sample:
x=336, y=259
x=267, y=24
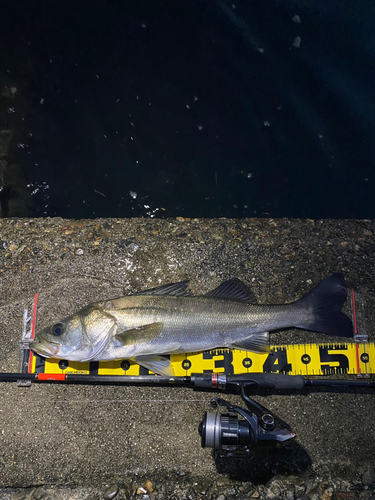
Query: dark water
x=189, y=108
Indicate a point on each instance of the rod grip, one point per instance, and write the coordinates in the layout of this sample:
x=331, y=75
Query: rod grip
x=268, y=380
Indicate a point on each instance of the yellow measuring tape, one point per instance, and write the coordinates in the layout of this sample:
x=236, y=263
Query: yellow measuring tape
x=296, y=359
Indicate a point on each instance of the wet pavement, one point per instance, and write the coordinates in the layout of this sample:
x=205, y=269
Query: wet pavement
x=55, y=436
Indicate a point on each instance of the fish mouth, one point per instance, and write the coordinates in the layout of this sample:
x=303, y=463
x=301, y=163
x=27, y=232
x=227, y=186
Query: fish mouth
x=44, y=348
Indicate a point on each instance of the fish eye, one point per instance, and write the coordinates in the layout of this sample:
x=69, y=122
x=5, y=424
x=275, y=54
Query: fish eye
x=58, y=329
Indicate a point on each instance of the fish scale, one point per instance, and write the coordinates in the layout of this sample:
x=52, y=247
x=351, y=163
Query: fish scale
x=195, y=322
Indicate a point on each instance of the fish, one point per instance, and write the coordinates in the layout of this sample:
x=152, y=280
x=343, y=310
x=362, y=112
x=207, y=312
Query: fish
x=169, y=319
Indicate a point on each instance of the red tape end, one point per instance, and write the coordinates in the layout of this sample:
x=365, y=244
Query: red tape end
x=52, y=376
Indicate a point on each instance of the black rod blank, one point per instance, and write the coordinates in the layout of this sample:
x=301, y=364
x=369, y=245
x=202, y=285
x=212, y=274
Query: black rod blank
x=197, y=381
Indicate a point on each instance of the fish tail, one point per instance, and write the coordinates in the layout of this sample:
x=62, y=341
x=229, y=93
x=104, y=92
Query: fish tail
x=327, y=300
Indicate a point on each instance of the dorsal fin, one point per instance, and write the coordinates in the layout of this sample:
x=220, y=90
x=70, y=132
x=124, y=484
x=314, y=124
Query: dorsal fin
x=173, y=289
x=233, y=289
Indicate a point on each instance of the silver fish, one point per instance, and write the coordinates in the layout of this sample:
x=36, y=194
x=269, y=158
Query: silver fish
x=169, y=319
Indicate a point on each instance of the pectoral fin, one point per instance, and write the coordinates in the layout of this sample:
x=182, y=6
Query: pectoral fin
x=156, y=364
x=257, y=342
x=140, y=335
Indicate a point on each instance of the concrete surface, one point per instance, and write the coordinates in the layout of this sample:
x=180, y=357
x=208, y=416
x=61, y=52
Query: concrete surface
x=74, y=435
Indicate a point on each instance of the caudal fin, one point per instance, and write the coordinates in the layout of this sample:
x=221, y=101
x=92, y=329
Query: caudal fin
x=327, y=300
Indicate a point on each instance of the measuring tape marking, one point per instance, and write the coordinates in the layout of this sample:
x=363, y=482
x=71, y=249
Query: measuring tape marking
x=294, y=359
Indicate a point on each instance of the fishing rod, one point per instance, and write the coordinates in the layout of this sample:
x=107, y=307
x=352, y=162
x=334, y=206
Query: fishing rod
x=226, y=433
x=231, y=384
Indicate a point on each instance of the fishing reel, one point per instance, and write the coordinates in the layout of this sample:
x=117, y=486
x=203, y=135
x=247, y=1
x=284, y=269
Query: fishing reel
x=234, y=437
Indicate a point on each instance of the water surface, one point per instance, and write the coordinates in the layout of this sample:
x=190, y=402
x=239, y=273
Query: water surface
x=189, y=108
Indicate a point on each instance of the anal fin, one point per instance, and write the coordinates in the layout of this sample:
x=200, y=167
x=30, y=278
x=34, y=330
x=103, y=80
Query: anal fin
x=256, y=342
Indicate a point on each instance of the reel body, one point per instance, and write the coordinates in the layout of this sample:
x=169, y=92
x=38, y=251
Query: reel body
x=236, y=437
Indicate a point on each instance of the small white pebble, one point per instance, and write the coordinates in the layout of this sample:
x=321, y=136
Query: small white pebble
x=297, y=42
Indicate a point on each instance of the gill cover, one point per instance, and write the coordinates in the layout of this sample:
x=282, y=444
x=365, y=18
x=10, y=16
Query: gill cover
x=97, y=328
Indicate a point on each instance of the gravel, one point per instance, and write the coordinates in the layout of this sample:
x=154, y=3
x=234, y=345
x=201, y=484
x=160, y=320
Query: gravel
x=105, y=442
